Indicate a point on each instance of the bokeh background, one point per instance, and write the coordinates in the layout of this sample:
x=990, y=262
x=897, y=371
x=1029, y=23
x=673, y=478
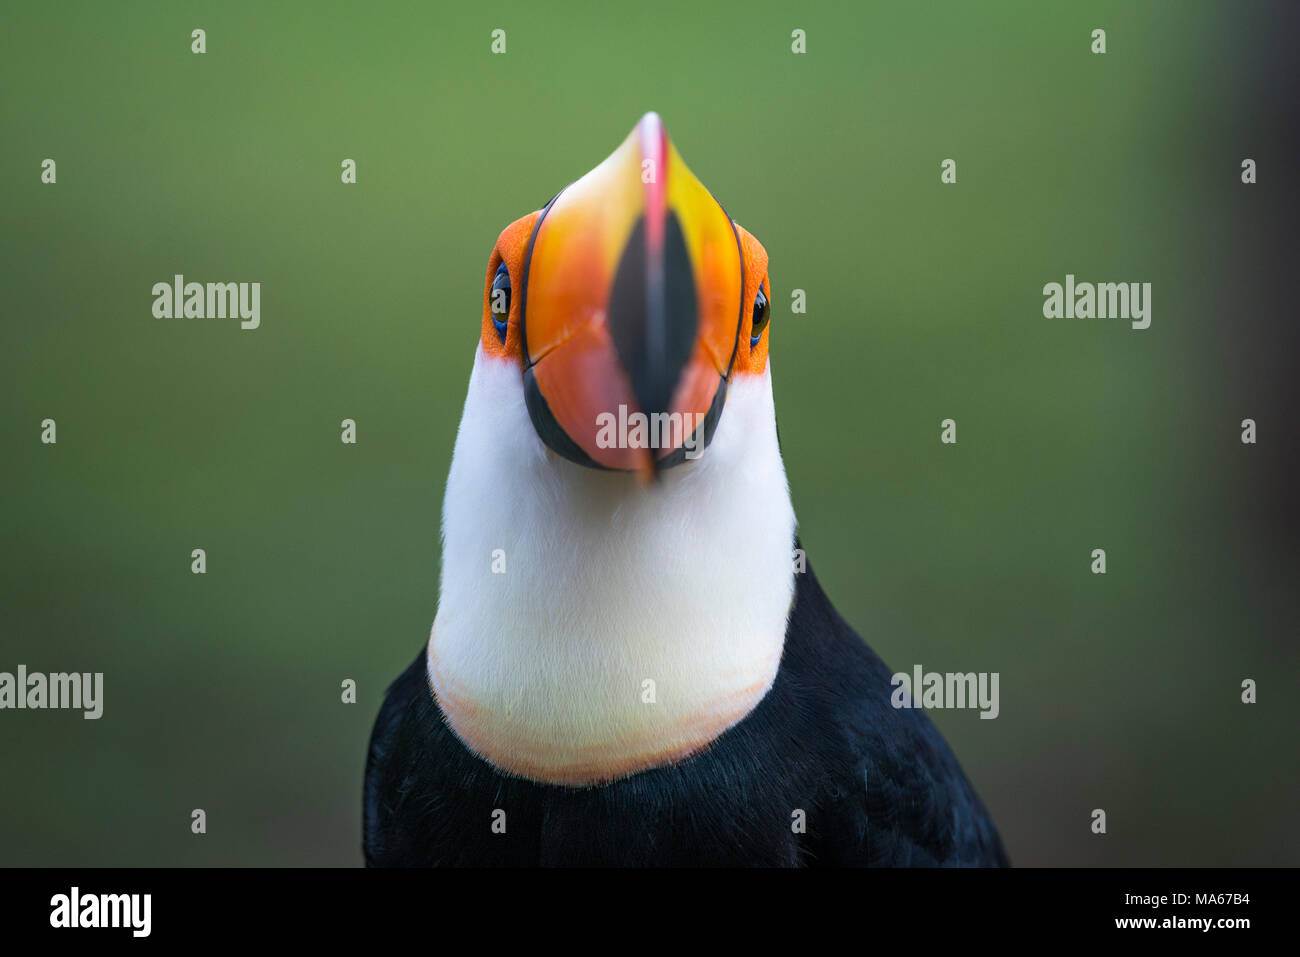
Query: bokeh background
x=222, y=691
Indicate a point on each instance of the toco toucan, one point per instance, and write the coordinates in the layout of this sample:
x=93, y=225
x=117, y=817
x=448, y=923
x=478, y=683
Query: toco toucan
x=631, y=661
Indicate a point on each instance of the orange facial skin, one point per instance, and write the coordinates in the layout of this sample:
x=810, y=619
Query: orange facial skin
x=752, y=361
x=510, y=248
x=632, y=290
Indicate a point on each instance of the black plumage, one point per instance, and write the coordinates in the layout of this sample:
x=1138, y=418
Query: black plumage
x=878, y=785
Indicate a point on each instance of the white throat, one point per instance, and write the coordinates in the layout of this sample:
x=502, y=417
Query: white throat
x=589, y=628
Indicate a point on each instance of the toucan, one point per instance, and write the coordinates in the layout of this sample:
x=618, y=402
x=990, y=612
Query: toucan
x=632, y=662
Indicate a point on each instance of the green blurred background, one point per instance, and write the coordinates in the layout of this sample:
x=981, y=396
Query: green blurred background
x=924, y=302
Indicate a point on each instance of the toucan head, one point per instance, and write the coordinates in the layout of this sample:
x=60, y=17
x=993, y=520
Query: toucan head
x=629, y=303
x=625, y=329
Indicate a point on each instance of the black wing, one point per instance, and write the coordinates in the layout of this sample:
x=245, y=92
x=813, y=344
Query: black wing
x=895, y=794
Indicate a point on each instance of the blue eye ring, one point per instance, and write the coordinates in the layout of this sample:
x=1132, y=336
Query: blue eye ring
x=499, y=300
x=762, y=312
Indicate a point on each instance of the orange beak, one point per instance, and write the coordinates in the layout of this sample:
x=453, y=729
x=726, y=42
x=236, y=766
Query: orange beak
x=631, y=308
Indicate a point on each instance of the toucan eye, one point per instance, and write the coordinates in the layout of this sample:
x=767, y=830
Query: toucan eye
x=499, y=300
x=761, y=311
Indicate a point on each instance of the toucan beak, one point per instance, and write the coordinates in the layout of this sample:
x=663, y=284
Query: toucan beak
x=632, y=287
